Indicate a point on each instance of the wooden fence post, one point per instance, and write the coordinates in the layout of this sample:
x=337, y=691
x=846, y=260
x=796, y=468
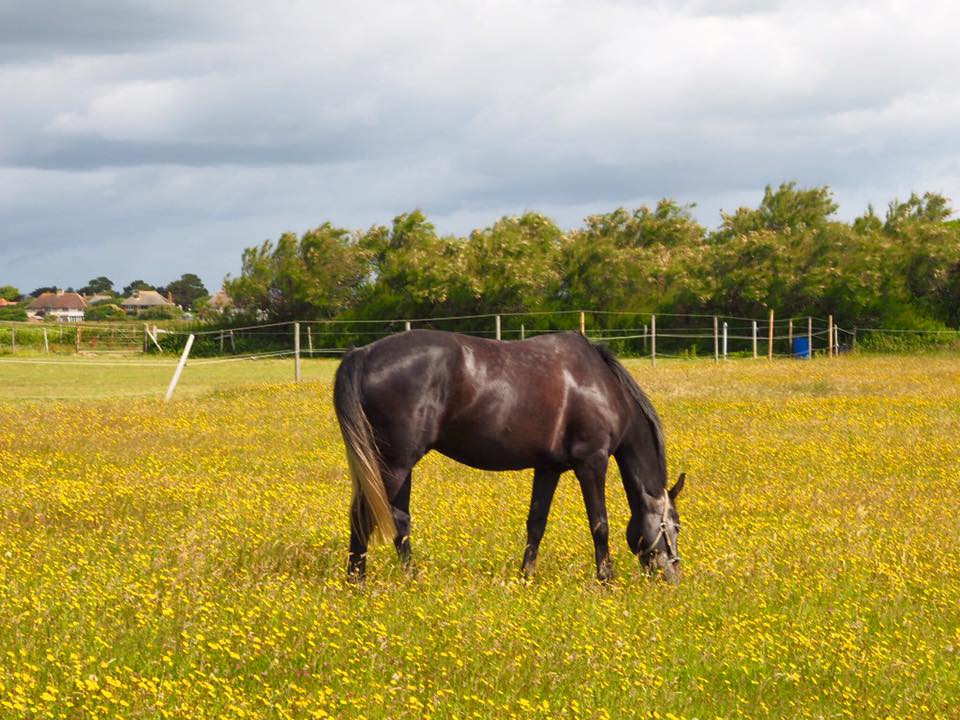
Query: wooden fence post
x=77, y=338
x=770, y=338
x=583, y=323
x=221, y=342
x=176, y=373
x=790, y=336
x=853, y=341
x=644, y=338
x=13, y=339
x=829, y=336
x=498, y=327
x=296, y=352
x=716, y=342
x=754, y=339
x=653, y=340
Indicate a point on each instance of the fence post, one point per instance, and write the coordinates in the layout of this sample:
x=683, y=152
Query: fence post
x=233, y=343
x=725, y=339
x=296, y=352
x=770, y=338
x=583, y=323
x=406, y=325
x=644, y=338
x=836, y=340
x=809, y=338
x=790, y=336
x=77, y=338
x=221, y=342
x=853, y=341
x=523, y=334
x=176, y=373
x=498, y=327
x=309, y=342
x=46, y=342
x=716, y=342
x=653, y=340
x=13, y=339
x=829, y=336
x=754, y=339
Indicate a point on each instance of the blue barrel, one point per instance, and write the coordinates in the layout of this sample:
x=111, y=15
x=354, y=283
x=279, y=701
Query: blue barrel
x=801, y=348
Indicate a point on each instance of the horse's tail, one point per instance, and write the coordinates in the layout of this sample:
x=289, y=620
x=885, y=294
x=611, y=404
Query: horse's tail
x=362, y=454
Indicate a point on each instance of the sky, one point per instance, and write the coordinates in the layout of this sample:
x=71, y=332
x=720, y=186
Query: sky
x=144, y=140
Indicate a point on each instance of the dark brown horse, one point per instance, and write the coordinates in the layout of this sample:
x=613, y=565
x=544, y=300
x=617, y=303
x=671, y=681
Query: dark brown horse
x=551, y=403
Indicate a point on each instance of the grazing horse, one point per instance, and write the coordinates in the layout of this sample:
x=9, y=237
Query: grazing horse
x=551, y=403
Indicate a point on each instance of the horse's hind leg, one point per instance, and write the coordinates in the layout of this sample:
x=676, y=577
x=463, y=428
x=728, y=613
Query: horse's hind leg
x=544, y=485
x=592, y=475
x=400, y=503
x=361, y=525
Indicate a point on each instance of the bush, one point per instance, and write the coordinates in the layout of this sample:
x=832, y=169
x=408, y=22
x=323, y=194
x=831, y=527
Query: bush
x=105, y=311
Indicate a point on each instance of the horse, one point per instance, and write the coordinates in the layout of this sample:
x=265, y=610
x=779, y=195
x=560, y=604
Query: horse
x=552, y=403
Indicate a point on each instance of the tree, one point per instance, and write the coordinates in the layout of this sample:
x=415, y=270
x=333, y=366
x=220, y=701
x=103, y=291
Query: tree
x=9, y=292
x=186, y=291
x=41, y=290
x=785, y=210
x=99, y=285
x=137, y=285
x=315, y=276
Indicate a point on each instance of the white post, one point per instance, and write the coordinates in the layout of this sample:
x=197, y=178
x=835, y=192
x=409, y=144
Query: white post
x=233, y=343
x=406, y=325
x=221, y=342
x=653, y=340
x=754, y=339
x=583, y=323
x=46, y=341
x=724, y=340
x=498, y=327
x=309, y=341
x=523, y=334
x=836, y=339
x=809, y=338
x=296, y=352
x=13, y=339
x=176, y=373
x=644, y=338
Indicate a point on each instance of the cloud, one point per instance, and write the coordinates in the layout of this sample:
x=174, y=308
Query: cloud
x=202, y=128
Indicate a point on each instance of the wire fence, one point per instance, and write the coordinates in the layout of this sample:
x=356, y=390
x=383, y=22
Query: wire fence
x=626, y=332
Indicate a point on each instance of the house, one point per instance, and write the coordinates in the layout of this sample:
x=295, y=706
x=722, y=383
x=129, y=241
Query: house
x=4, y=302
x=64, y=306
x=220, y=302
x=144, y=300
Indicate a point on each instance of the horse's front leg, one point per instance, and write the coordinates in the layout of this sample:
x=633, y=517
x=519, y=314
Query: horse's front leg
x=544, y=486
x=592, y=475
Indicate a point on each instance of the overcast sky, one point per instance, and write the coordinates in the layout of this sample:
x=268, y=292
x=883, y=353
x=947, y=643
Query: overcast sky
x=153, y=138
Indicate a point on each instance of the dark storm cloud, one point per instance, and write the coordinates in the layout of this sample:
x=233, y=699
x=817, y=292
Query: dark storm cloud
x=33, y=29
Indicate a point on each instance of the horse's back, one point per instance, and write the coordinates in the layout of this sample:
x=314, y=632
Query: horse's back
x=490, y=404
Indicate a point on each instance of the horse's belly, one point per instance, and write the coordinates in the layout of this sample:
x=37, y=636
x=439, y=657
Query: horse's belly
x=498, y=451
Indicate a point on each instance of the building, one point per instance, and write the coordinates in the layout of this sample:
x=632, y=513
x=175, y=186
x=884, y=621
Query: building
x=144, y=300
x=64, y=306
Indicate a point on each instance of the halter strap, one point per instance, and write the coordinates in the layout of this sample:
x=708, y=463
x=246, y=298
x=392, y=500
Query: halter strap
x=673, y=556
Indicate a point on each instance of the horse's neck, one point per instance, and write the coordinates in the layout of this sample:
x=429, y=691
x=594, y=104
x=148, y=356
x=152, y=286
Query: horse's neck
x=639, y=460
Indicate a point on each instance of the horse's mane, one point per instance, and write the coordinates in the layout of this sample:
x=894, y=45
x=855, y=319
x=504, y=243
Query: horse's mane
x=630, y=385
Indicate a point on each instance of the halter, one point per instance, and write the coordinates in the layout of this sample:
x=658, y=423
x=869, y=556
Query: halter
x=673, y=555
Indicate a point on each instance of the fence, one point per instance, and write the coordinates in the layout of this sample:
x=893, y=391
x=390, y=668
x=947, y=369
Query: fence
x=627, y=333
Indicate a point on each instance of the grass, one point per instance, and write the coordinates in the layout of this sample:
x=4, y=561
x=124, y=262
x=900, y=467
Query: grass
x=187, y=560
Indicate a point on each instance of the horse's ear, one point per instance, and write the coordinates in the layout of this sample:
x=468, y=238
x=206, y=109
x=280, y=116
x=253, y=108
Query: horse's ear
x=675, y=490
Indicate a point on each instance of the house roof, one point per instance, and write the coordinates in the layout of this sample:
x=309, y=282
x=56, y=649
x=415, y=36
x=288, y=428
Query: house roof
x=4, y=302
x=220, y=300
x=146, y=298
x=58, y=301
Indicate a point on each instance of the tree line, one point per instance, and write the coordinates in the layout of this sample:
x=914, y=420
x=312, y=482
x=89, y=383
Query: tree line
x=789, y=253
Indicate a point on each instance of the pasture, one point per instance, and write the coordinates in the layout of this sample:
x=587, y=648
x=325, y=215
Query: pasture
x=188, y=560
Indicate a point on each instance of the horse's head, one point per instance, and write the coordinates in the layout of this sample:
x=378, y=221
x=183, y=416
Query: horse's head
x=653, y=536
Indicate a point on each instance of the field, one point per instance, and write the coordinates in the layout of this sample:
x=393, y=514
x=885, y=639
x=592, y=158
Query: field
x=188, y=560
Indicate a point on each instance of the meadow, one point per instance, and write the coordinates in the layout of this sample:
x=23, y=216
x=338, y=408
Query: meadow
x=187, y=560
